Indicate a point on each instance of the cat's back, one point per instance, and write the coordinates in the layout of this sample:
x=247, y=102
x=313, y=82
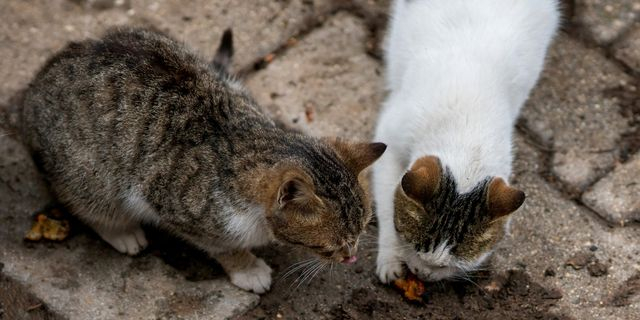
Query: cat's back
x=440, y=23
x=120, y=106
x=108, y=90
x=493, y=31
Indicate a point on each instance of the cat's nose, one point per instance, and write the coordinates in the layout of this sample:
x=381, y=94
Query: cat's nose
x=349, y=254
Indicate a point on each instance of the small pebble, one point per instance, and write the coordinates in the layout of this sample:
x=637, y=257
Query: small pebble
x=549, y=273
x=597, y=269
x=593, y=248
x=359, y=270
x=552, y=294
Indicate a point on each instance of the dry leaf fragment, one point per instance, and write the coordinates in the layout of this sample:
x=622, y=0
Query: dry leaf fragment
x=268, y=58
x=309, y=112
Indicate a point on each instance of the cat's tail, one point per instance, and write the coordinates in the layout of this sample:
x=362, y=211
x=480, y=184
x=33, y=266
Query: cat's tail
x=10, y=117
x=223, y=58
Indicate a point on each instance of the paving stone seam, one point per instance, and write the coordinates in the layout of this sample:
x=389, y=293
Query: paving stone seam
x=309, y=26
x=312, y=25
x=546, y=174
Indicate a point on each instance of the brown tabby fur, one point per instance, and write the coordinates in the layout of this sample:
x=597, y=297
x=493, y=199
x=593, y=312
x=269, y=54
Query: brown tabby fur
x=135, y=115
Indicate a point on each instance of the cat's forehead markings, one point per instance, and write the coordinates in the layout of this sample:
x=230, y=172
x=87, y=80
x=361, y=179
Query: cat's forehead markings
x=455, y=213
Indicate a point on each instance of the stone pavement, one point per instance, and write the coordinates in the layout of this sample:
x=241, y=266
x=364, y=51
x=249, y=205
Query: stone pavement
x=315, y=65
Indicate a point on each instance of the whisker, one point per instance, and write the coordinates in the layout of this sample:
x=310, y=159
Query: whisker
x=316, y=273
x=292, y=268
x=308, y=274
x=299, y=265
x=303, y=275
x=331, y=270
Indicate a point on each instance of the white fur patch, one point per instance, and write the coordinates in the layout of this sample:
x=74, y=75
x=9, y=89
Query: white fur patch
x=256, y=278
x=248, y=228
x=440, y=256
x=138, y=207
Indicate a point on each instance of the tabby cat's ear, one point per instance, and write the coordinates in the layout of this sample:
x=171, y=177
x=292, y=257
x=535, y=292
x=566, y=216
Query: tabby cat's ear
x=296, y=189
x=503, y=199
x=357, y=155
x=422, y=181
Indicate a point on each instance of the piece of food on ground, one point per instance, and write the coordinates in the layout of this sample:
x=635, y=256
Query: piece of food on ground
x=49, y=228
x=412, y=288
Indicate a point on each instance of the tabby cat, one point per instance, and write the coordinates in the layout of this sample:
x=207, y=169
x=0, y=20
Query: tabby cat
x=135, y=129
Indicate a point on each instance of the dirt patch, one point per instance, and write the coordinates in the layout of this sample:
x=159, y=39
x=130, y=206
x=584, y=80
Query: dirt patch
x=588, y=260
x=516, y=297
x=355, y=293
x=630, y=288
x=17, y=303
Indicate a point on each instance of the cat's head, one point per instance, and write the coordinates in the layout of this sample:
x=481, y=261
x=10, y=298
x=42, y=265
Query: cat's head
x=319, y=202
x=445, y=234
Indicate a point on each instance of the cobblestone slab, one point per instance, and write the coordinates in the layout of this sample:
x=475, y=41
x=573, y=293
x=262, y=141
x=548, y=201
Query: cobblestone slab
x=569, y=112
x=311, y=86
x=550, y=232
x=627, y=49
x=83, y=278
x=33, y=30
x=606, y=20
x=617, y=196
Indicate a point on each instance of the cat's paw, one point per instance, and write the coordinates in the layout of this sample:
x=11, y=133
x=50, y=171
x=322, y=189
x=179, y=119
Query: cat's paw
x=256, y=278
x=131, y=241
x=389, y=267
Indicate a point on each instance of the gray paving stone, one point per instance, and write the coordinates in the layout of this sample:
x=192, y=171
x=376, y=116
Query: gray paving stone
x=569, y=112
x=33, y=30
x=627, y=49
x=312, y=85
x=259, y=26
x=617, y=196
x=605, y=20
x=83, y=278
x=549, y=230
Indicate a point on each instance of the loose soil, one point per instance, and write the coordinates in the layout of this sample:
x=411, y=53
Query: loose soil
x=354, y=292
x=17, y=303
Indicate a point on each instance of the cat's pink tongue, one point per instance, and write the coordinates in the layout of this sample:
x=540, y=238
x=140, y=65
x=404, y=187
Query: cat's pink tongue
x=350, y=260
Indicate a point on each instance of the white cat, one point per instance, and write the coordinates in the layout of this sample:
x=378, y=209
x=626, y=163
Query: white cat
x=458, y=72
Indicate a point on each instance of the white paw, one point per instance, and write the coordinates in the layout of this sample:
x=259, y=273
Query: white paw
x=131, y=241
x=389, y=267
x=256, y=278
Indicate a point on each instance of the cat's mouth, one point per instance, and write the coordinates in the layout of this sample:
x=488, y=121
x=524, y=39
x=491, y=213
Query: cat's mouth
x=346, y=255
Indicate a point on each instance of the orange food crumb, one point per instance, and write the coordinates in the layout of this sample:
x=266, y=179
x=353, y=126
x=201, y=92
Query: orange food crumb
x=50, y=229
x=412, y=288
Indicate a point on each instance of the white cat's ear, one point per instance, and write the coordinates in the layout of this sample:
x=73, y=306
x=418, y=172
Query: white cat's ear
x=422, y=181
x=357, y=155
x=296, y=189
x=503, y=199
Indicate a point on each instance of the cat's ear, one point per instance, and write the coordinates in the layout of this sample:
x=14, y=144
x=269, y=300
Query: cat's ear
x=296, y=189
x=357, y=155
x=503, y=199
x=222, y=59
x=422, y=181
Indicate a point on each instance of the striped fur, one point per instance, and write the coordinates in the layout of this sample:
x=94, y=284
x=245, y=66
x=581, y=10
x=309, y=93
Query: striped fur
x=135, y=120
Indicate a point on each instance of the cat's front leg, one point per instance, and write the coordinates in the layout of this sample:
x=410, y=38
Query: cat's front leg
x=246, y=270
x=386, y=176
